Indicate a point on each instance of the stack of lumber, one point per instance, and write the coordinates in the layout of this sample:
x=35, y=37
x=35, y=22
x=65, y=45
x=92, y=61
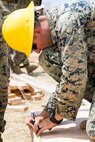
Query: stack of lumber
x=20, y=92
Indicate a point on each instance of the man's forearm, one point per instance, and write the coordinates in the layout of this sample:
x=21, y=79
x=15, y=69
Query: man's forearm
x=51, y=105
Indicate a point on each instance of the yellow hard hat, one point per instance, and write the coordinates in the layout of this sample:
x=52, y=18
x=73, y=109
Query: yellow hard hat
x=18, y=29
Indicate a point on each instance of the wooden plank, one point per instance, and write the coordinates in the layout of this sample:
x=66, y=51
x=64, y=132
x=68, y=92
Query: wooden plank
x=37, y=97
x=27, y=96
x=17, y=108
x=35, y=138
x=15, y=101
x=12, y=95
x=69, y=131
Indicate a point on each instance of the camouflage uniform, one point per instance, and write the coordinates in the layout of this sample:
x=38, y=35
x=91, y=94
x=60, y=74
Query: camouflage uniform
x=71, y=61
x=4, y=70
x=24, y=3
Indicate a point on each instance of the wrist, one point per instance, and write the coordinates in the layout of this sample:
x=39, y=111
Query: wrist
x=45, y=114
x=57, y=119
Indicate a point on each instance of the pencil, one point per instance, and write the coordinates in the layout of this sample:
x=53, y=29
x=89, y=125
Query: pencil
x=33, y=114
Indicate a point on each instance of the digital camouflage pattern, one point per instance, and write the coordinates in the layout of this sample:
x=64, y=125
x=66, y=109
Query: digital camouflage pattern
x=50, y=60
x=4, y=70
x=23, y=3
x=37, y=2
x=73, y=34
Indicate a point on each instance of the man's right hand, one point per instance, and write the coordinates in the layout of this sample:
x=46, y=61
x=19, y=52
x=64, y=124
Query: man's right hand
x=38, y=118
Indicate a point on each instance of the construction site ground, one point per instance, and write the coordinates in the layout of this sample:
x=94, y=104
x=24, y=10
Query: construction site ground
x=16, y=129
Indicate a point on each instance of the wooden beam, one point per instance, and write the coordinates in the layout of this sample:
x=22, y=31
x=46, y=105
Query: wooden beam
x=35, y=138
x=17, y=108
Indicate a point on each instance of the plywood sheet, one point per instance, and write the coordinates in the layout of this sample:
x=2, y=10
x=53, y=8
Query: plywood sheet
x=69, y=131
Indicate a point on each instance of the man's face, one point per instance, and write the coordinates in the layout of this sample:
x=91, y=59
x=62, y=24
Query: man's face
x=42, y=35
x=39, y=40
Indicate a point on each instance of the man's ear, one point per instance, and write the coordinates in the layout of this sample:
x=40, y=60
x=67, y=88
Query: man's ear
x=37, y=32
x=37, y=29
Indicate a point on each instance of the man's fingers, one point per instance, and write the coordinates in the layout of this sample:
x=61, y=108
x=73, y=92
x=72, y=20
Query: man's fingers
x=37, y=128
x=31, y=126
x=41, y=130
x=30, y=120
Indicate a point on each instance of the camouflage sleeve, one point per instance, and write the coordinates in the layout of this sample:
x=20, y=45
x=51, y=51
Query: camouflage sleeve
x=37, y=2
x=23, y=3
x=73, y=81
x=71, y=89
x=4, y=72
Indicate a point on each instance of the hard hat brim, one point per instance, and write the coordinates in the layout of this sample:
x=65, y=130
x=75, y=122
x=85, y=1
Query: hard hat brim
x=30, y=8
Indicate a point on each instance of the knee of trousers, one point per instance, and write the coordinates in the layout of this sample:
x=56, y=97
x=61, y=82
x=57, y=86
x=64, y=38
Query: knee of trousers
x=90, y=129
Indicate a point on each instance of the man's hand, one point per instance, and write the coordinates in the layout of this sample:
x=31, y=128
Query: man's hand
x=30, y=121
x=45, y=124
